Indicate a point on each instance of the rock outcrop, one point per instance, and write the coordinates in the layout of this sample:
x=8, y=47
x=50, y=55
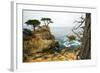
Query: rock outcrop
x=41, y=39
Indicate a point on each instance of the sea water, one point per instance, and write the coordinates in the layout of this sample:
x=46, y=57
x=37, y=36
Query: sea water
x=61, y=34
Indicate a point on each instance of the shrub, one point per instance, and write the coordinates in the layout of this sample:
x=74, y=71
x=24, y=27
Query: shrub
x=71, y=37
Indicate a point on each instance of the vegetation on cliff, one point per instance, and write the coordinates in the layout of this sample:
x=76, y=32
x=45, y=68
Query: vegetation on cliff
x=40, y=45
x=37, y=40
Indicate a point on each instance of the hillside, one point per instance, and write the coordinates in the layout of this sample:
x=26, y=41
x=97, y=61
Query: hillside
x=38, y=40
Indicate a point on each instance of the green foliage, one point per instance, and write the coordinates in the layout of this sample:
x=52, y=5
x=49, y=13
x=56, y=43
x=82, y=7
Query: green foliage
x=71, y=37
x=34, y=23
x=27, y=31
x=47, y=21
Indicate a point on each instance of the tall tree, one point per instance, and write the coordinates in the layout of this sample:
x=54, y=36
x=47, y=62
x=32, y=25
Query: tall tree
x=47, y=21
x=34, y=23
x=85, y=52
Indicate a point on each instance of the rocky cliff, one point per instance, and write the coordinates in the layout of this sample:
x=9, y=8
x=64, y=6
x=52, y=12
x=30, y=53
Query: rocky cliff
x=39, y=40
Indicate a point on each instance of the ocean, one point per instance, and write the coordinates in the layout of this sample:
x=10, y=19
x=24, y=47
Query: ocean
x=61, y=32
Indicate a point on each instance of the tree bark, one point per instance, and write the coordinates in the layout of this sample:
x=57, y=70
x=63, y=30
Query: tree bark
x=34, y=28
x=85, y=52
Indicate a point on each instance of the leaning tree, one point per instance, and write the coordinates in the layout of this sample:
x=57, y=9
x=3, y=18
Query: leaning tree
x=47, y=21
x=34, y=23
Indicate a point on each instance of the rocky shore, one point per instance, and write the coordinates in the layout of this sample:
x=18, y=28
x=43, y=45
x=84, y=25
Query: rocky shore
x=41, y=46
x=39, y=40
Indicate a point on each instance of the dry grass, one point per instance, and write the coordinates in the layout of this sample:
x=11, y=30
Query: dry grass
x=47, y=56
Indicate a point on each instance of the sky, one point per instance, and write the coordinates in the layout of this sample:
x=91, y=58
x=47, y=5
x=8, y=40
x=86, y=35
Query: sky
x=60, y=19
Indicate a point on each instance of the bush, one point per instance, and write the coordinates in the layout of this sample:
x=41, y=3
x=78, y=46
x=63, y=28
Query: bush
x=71, y=37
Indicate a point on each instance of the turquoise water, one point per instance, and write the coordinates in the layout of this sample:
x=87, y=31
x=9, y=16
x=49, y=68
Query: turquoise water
x=64, y=42
x=60, y=34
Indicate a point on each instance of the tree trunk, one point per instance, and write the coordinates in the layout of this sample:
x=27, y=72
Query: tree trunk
x=34, y=28
x=85, y=52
